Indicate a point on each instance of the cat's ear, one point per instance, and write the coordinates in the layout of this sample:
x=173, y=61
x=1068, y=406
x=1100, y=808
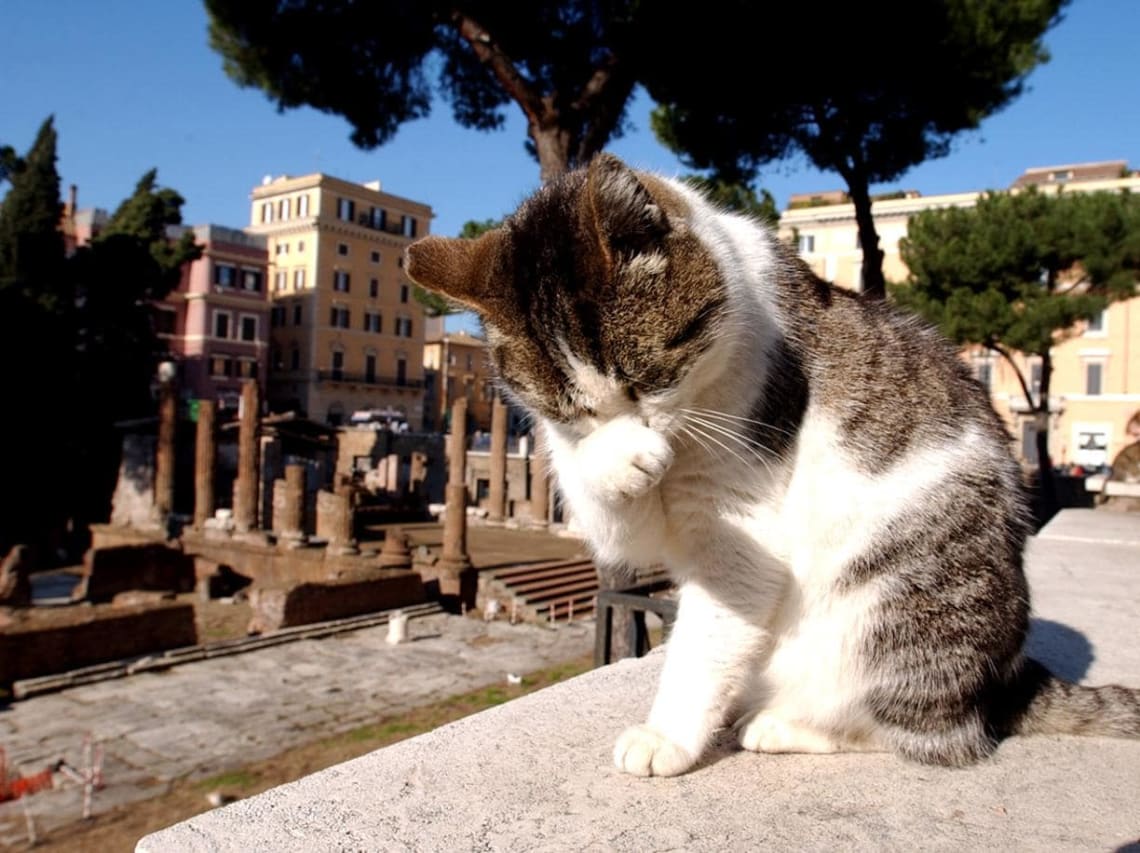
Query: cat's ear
x=454, y=267
x=627, y=219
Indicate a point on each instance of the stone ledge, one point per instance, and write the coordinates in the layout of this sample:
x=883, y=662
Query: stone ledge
x=536, y=773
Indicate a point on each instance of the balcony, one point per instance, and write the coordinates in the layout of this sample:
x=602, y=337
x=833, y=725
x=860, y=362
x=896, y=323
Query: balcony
x=333, y=375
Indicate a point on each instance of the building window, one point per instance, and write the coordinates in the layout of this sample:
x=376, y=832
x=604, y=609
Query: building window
x=451, y=360
x=370, y=368
x=303, y=205
x=339, y=317
x=249, y=328
x=1094, y=372
x=378, y=218
x=221, y=325
x=345, y=209
x=275, y=359
x=297, y=314
x=221, y=366
x=371, y=321
x=338, y=365
x=342, y=249
x=403, y=293
x=277, y=316
x=403, y=327
x=283, y=209
x=246, y=368
x=280, y=279
x=267, y=211
x=470, y=360
x=374, y=288
x=374, y=257
x=299, y=279
x=225, y=275
x=806, y=244
x=401, y=371
x=1035, y=371
x=295, y=359
x=1095, y=324
x=341, y=281
x=251, y=280
x=408, y=226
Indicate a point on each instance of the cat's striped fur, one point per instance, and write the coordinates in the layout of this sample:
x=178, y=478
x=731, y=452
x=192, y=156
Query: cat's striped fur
x=829, y=487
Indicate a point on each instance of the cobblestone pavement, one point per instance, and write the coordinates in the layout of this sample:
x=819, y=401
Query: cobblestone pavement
x=201, y=719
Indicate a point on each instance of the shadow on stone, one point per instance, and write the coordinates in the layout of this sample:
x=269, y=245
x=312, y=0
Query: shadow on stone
x=1065, y=651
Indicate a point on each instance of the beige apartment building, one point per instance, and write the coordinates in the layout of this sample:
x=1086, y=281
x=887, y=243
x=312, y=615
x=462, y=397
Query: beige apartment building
x=456, y=365
x=1095, y=386
x=346, y=334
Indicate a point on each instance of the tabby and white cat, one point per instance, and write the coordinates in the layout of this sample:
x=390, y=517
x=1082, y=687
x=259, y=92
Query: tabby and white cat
x=829, y=488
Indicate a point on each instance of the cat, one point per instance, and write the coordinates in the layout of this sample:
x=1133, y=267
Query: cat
x=827, y=485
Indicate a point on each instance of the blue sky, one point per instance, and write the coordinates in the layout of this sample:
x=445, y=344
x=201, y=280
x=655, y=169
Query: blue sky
x=134, y=85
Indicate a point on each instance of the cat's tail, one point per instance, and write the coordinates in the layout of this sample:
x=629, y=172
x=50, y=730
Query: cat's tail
x=1040, y=703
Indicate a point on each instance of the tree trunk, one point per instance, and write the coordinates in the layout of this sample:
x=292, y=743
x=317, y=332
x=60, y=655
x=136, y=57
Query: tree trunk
x=552, y=143
x=874, y=285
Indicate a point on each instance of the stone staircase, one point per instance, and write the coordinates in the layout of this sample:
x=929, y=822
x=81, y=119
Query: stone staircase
x=550, y=591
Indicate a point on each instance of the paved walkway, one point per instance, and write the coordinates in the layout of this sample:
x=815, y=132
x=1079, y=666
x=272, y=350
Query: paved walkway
x=204, y=718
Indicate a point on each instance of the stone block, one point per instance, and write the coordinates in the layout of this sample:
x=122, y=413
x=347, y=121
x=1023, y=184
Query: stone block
x=303, y=604
x=109, y=571
x=43, y=641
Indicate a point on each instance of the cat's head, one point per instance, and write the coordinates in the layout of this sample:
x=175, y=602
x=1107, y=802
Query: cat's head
x=597, y=298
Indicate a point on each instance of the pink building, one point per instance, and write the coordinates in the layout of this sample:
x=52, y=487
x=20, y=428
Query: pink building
x=216, y=322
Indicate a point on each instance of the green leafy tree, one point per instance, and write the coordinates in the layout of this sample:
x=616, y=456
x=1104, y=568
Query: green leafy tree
x=1016, y=274
x=129, y=266
x=436, y=305
x=568, y=66
x=859, y=97
x=36, y=362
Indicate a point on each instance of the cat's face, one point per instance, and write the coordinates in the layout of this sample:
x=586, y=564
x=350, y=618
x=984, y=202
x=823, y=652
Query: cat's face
x=597, y=299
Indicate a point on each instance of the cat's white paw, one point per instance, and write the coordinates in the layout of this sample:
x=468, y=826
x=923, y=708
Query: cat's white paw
x=623, y=459
x=770, y=733
x=643, y=751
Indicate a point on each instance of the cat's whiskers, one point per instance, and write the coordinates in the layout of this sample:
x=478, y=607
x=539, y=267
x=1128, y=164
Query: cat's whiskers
x=697, y=431
x=756, y=448
x=713, y=413
x=691, y=434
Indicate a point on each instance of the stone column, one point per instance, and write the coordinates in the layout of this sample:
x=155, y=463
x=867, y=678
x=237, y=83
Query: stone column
x=164, y=453
x=245, y=490
x=454, y=557
x=293, y=512
x=497, y=506
x=205, y=458
x=539, y=483
x=334, y=515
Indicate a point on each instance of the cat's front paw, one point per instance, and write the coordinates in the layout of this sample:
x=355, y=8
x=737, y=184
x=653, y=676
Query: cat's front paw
x=644, y=751
x=623, y=459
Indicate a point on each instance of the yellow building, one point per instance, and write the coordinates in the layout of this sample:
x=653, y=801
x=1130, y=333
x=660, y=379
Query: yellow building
x=1095, y=386
x=346, y=334
x=456, y=366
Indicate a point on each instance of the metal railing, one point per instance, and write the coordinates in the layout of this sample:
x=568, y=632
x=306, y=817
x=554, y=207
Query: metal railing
x=332, y=375
x=638, y=601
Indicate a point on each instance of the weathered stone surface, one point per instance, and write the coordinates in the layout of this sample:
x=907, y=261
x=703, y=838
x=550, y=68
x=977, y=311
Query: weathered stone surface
x=133, y=502
x=108, y=571
x=45, y=640
x=303, y=604
x=164, y=452
x=497, y=504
